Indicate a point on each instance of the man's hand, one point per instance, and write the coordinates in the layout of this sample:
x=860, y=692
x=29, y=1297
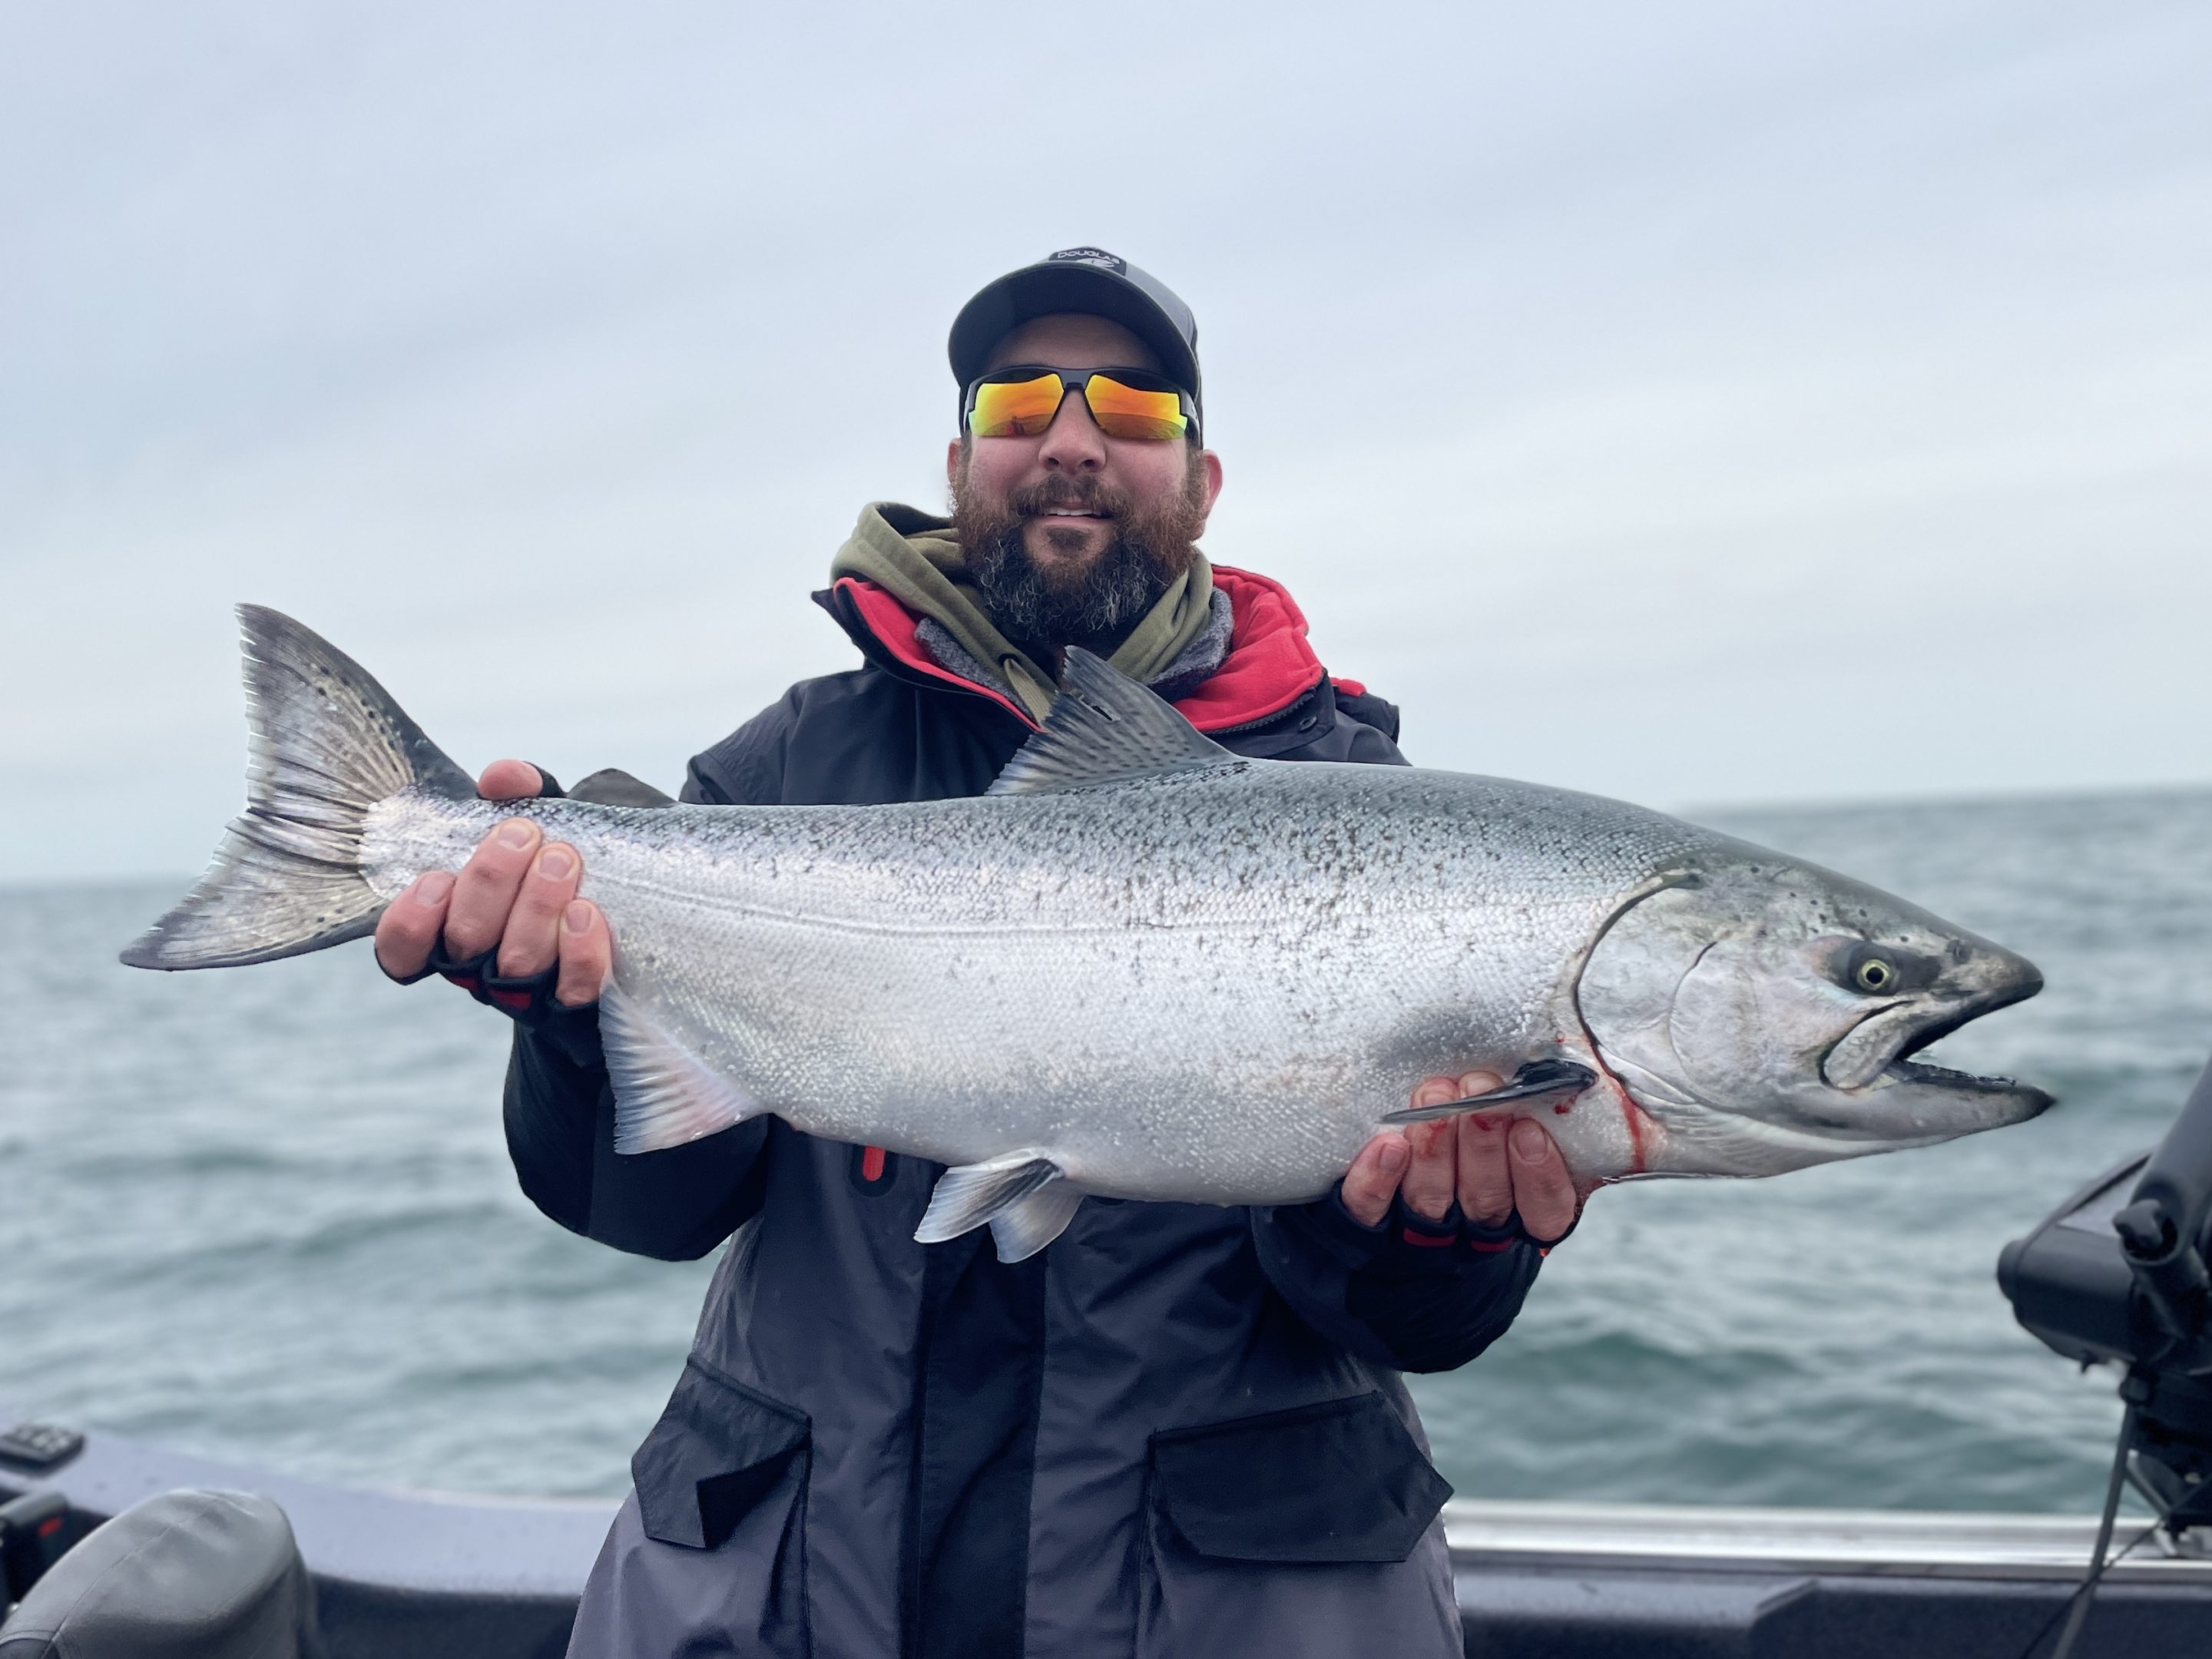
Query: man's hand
x=1491, y=1167
x=518, y=892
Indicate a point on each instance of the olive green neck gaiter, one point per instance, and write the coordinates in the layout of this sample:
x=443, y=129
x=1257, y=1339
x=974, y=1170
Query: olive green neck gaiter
x=914, y=556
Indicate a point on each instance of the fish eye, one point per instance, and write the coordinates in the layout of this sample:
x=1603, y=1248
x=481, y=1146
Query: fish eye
x=1877, y=971
x=1872, y=974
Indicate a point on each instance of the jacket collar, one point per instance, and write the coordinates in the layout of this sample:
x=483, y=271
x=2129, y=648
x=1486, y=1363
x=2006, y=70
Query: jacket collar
x=1270, y=665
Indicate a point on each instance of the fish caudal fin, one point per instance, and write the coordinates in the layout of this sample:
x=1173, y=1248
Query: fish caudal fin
x=664, y=1095
x=327, y=743
x=1020, y=1194
x=1539, y=1079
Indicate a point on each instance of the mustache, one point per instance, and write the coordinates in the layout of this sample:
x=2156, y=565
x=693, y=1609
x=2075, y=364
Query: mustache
x=1083, y=492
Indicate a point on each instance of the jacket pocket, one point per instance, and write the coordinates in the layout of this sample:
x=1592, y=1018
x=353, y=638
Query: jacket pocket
x=717, y=1450
x=1341, y=1481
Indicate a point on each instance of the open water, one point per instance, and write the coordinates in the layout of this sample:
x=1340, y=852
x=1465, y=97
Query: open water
x=268, y=1215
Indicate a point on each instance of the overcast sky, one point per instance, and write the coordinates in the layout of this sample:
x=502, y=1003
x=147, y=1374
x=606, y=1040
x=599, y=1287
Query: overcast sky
x=1694, y=402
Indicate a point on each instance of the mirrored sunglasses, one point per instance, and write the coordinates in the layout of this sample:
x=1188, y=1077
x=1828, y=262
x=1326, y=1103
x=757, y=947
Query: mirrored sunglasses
x=1021, y=401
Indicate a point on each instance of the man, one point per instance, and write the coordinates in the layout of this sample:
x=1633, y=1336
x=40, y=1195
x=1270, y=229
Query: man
x=1181, y=1428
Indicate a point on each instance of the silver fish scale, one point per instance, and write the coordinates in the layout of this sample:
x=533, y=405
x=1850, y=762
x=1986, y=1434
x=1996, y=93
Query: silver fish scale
x=1209, y=985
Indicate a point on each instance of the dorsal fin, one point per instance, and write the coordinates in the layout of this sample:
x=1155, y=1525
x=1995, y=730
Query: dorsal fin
x=1105, y=728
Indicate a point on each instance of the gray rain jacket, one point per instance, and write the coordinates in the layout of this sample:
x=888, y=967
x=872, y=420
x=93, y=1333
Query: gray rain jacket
x=1180, y=1430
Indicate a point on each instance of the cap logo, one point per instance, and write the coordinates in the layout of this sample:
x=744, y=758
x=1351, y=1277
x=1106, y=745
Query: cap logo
x=1091, y=256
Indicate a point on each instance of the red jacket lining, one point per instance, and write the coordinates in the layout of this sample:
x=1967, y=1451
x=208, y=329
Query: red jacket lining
x=1269, y=666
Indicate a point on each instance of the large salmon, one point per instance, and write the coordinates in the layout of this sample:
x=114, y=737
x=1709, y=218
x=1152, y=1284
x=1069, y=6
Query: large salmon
x=1145, y=967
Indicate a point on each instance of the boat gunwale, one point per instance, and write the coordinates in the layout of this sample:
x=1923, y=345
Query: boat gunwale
x=1522, y=1533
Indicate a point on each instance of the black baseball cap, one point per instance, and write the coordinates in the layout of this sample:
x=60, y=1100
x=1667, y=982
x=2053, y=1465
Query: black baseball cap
x=1089, y=280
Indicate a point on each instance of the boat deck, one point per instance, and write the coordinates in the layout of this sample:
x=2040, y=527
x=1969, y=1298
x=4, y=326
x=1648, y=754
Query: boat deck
x=430, y=1575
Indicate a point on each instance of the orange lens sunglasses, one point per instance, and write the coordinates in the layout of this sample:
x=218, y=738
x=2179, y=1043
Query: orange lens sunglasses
x=1021, y=402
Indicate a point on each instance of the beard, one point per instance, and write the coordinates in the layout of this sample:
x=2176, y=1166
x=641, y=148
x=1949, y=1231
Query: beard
x=1094, y=604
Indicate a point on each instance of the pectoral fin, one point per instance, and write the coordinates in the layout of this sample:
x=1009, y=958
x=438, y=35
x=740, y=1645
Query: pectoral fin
x=664, y=1095
x=1538, y=1078
x=1007, y=1186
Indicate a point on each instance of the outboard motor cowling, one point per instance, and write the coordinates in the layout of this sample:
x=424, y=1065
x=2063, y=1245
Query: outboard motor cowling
x=191, y=1575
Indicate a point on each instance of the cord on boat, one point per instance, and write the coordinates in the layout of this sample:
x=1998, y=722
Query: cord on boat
x=2076, y=1607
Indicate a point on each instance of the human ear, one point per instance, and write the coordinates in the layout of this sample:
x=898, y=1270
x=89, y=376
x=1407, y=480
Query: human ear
x=1210, y=465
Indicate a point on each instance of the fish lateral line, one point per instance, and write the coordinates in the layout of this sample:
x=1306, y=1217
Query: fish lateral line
x=864, y=927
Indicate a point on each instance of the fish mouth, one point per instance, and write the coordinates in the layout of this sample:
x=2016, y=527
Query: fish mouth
x=1923, y=1074
x=1902, y=1068
x=1910, y=1102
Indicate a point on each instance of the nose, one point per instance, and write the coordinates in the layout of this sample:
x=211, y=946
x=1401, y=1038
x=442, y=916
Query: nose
x=1072, y=443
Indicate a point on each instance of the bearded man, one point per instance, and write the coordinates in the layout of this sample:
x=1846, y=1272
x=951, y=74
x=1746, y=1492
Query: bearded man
x=1179, y=1429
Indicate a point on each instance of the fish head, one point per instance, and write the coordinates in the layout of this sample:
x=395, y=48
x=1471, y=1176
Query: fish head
x=1765, y=1013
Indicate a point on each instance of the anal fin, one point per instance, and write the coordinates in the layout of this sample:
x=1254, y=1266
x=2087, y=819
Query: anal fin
x=1026, y=1227
x=1534, y=1081
x=972, y=1195
x=664, y=1095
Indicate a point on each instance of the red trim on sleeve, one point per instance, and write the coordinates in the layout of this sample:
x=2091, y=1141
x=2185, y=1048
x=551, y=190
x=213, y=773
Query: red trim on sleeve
x=1428, y=1241
x=871, y=1164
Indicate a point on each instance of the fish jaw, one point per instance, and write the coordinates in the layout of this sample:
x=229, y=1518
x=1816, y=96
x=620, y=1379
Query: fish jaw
x=1765, y=1014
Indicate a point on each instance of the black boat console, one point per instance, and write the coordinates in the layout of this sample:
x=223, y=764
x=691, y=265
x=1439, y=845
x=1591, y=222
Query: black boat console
x=2116, y=1275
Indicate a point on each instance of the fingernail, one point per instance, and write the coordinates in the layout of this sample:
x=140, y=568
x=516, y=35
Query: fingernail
x=517, y=832
x=434, y=887
x=577, y=918
x=555, y=862
x=1392, y=1157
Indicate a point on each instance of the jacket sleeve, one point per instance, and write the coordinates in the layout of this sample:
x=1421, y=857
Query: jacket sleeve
x=559, y=1113
x=1400, y=1294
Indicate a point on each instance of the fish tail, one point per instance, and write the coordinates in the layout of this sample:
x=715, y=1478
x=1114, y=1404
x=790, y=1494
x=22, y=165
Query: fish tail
x=327, y=743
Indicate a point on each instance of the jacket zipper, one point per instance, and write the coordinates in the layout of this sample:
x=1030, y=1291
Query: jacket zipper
x=1283, y=713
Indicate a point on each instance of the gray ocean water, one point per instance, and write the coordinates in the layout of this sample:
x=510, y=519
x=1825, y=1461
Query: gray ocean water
x=267, y=1214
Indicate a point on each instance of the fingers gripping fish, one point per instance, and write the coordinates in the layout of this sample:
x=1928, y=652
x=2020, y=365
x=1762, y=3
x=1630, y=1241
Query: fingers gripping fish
x=1145, y=967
